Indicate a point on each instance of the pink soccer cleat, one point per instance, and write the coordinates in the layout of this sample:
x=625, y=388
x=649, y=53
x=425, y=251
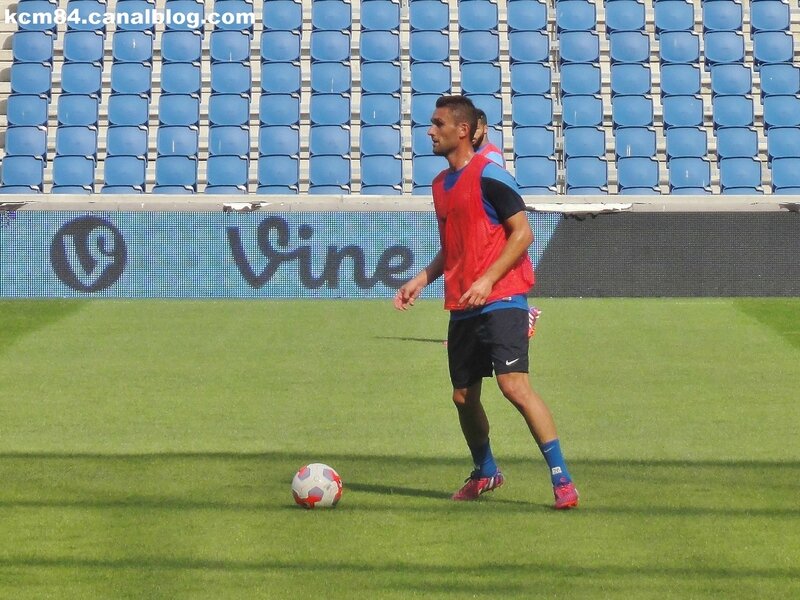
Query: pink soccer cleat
x=533, y=316
x=566, y=496
x=475, y=486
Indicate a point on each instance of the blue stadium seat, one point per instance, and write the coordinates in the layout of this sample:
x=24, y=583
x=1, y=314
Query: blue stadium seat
x=692, y=173
x=479, y=46
x=680, y=79
x=234, y=15
x=380, y=190
x=531, y=110
x=30, y=15
x=385, y=171
x=629, y=47
x=686, y=142
x=78, y=109
x=380, y=15
x=180, y=78
x=637, y=172
x=121, y=189
x=535, y=78
x=772, y=47
x=624, y=16
x=586, y=191
x=331, y=46
x=769, y=15
x=480, y=78
x=279, y=109
x=579, y=46
x=722, y=47
x=176, y=171
x=575, y=15
x=673, y=15
x=87, y=46
x=783, y=142
x=81, y=12
x=535, y=174
x=230, y=78
x=127, y=46
x=630, y=79
x=227, y=171
x=578, y=78
x=425, y=168
x=228, y=109
x=133, y=11
x=124, y=172
x=430, y=78
x=23, y=171
x=380, y=78
x=124, y=140
x=128, y=109
x=24, y=109
x=632, y=111
x=178, y=109
x=534, y=141
x=131, y=78
x=781, y=79
x=76, y=141
x=284, y=46
x=331, y=77
x=722, y=15
x=328, y=174
x=31, y=78
x=329, y=139
x=429, y=15
x=781, y=111
x=584, y=141
x=477, y=15
x=193, y=12
x=177, y=140
x=680, y=47
x=173, y=189
x=229, y=46
x=526, y=15
x=73, y=171
x=72, y=189
x=732, y=79
x=278, y=174
x=81, y=78
x=421, y=141
x=786, y=175
x=380, y=140
x=586, y=172
x=283, y=14
x=492, y=105
x=380, y=46
x=528, y=46
x=634, y=141
x=422, y=107
x=739, y=173
x=331, y=15
x=26, y=140
x=181, y=46
x=682, y=111
x=737, y=142
x=32, y=46
x=330, y=109
x=732, y=111
x=280, y=78
x=278, y=140
x=429, y=46
x=582, y=111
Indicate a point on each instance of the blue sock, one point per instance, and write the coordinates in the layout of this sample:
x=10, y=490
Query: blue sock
x=555, y=461
x=483, y=460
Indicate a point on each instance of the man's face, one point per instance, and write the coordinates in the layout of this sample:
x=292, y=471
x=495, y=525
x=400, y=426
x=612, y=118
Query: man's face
x=445, y=132
x=480, y=134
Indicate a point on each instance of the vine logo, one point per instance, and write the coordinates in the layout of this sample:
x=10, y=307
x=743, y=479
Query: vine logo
x=88, y=254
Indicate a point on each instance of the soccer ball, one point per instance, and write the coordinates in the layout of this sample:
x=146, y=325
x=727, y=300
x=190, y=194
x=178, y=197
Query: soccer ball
x=317, y=486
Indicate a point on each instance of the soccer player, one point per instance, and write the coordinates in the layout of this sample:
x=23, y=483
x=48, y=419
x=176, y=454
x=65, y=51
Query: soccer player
x=484, y=235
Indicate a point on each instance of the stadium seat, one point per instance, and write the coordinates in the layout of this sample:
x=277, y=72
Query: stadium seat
x=732, y=111
x=637, y=191
x=87, y=46
x=234, y=15
x=283, y=14
x=492, y=105
x=380, y=15
x=421, y=141
x=24, y=109
x=230, y=78
x=226, y=189
x=584, y=173
x=575, y=15
x=680, y=79
x=479, y=46
x=682, y=111
x=81, y=78
x=380, y=190
x=178, y=109
x=180, y=78
x=333, y=46
x=328, y=174
x=722, y=47
x=429, y=15
x=30, y=15
x=637, y=172
x=629, y=47
x=528, y=46
x=128, y=109
x=77, y=109
x=531, y=111
x=693, y=173
x=329, y=139
x=177, y=140
x=331, y=15
x=422, y=107
x=480, y=78
x=526, y=15
x=225, y=171
x=131, y=78
x=181, y=46
x=739, y=173
x=634, y=141
x=581, y=111
x=680, y=47
x=32, y=46
x=330, y=109
x=689, y=191
x=23, y=171
x=192, y=11
x=631, y=111
x=630, y=79
x=123, y=140
x=121, y=189
x=176, y=171
x=228, y=109
x=781, y=111
x=769, y=15
x=124, y=171
x=278, y=173
x=380, y=140
x=686, y=142
x=430, y=78
x=231, y=140
x=229, y=46
x=380, y=46
x=578, y=78
x=284, y=46
x=32, y=78
x=579, y=46
x=477, y=15
x=786, y=175
x=127, y=46
x=722, y=15
x=425, y=168
x=732, y=79
x=783, y=142
x=538, y=172
x=280, y=77
x=534, y=141
x=381, y=78
x=584, y=141
x=429, y=46
x=625, y=16
x=673, y=15
x=535, y=78
x=737, y=142
x=73, y=171
x=76, y=141
x=278, y=140
x=279, y=109
x=386, y=171
x=133, y=11
x=26, y=140
x=772, y=47
x=331, y=77
x=781, y=79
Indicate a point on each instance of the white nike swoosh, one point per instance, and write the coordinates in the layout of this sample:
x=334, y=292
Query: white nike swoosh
x=511, y=362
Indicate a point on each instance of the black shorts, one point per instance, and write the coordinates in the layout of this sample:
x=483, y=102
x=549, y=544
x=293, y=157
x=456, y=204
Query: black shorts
x=494, y=341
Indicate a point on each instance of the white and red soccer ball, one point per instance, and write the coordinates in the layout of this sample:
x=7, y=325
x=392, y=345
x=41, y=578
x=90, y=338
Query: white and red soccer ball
x=317, y=486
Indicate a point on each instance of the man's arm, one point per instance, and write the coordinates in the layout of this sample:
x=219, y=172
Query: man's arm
x=410, y=291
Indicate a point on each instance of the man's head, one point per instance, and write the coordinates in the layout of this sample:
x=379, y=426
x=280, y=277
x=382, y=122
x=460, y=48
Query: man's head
x=453, y=124
x=482, y=130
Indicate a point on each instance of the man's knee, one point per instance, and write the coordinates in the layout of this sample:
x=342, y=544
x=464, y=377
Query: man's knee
x=514, y=386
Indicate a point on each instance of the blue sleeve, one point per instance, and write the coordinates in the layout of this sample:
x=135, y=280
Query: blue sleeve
x=501, y=197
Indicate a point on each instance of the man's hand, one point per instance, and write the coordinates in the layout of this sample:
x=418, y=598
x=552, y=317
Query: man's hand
x=408, y=293
x=477, y=294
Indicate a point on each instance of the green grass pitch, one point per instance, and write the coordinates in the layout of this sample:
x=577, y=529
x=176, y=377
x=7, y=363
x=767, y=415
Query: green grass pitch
x=146, y=451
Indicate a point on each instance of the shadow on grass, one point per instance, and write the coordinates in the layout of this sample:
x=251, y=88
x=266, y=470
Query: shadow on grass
x=410, y=339
x=19, y=318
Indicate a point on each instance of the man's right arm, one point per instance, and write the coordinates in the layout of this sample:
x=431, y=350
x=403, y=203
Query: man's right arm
x=410, y=291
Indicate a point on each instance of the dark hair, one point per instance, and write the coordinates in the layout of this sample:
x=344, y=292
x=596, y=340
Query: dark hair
x=481, y=116
x=463, y=110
